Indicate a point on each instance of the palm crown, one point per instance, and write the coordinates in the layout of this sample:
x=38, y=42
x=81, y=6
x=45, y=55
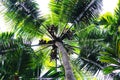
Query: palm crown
x=27, y=22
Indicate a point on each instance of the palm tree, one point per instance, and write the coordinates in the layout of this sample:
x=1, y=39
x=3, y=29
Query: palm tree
x=16, y=57
x=18, y=60
x=110, y=54
x=26, y=22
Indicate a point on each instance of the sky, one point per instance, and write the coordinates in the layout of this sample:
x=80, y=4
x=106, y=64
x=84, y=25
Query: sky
x=108, y=6
x=43, y=5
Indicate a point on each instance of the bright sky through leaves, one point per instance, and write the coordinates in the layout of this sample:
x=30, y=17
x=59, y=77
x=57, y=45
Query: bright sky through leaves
x=43, y=5
x=108, y=6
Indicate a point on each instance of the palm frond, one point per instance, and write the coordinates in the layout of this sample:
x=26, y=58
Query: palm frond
x=76, y=10
x=17, y=57
x=117, y=12
x=90, y=44
x=52, y=73
x=24, y=15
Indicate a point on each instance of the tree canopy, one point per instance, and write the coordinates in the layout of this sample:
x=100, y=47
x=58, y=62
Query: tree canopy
x=74, y=41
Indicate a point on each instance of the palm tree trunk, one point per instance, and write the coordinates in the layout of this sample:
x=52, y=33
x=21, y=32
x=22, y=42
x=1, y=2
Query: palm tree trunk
x=16, y=77
x=68, y=71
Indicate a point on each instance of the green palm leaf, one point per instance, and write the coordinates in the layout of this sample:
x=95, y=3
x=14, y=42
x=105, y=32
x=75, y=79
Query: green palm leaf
x=76, y=10
x=25, y=16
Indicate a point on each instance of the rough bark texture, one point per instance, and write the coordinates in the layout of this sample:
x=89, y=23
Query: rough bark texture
x=68, y=71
